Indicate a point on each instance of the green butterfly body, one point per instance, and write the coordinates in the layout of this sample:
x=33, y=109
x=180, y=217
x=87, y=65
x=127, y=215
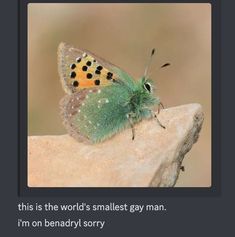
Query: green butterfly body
x=96, y=113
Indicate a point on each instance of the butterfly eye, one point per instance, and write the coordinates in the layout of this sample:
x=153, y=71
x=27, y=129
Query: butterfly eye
x=148, y=87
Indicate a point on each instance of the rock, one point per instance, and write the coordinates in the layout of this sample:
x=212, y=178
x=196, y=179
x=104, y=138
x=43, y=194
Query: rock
x=152, y=159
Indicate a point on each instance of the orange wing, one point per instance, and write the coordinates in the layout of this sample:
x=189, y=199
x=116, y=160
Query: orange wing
x=79, y=69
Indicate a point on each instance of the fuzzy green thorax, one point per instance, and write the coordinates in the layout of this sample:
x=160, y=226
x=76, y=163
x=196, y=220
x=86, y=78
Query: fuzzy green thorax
x=142, y=99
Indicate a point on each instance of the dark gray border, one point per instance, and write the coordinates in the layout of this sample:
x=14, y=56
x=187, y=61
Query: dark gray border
x=24, y=190
x=199, y=216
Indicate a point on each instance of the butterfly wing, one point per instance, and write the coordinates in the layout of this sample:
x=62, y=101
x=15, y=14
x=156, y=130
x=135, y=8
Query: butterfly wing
x=93, y=115
x=80, y=69
x=70, y=107
x=97, y=92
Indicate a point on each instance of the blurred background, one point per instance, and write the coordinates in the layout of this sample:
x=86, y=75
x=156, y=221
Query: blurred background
x=124, y=34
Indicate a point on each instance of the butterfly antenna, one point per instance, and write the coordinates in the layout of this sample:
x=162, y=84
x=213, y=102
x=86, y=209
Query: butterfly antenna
x=149, y=63
x=164, y=65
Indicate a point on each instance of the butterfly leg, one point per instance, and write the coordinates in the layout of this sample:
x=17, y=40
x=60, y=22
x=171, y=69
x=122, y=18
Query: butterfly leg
x=133, y=131
x=159, y=122
x=132, y=125
x=159, y=107
x=155, y=116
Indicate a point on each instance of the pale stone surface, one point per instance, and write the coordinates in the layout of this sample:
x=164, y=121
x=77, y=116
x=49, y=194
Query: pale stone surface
x=152, y=159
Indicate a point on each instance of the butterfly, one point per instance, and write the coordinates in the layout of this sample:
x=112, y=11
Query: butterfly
x=101, y=99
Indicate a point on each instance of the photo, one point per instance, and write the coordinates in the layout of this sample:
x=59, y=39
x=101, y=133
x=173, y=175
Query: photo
x=119, y=95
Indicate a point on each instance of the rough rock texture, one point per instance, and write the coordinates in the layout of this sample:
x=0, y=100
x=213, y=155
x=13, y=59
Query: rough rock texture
x=152, y=159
